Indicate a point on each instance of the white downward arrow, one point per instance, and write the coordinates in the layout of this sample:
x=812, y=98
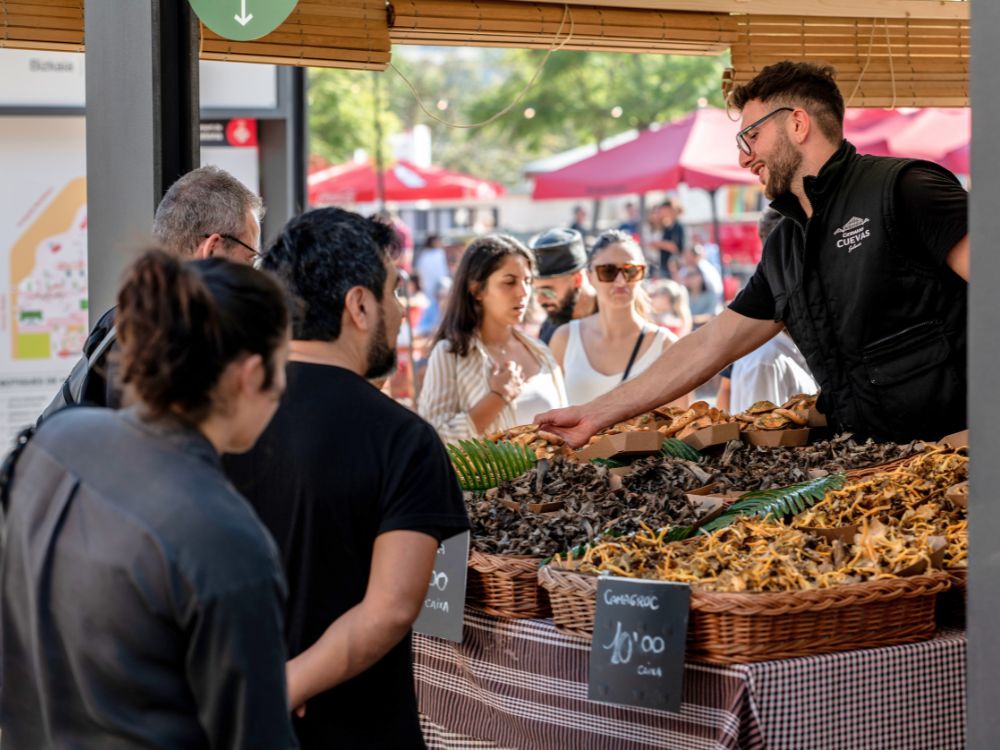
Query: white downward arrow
x=243, y=19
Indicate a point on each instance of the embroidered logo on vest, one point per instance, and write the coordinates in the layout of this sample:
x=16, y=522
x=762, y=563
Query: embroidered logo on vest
x=853, y=233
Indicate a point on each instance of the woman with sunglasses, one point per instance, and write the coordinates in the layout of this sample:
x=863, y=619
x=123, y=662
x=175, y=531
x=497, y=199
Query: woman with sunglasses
x=484, y=375
x=618, y=342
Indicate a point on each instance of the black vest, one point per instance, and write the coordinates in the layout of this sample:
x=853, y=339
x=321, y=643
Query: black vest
x=883, y=330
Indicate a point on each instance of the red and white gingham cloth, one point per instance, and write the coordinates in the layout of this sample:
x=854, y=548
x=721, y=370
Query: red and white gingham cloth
x=522, y=684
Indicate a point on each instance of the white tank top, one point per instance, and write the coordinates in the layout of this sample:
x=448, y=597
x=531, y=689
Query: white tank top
x=584, y=383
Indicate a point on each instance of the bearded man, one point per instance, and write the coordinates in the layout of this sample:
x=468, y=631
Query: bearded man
x=356, y=489
x=868, y=270
x=561, y=286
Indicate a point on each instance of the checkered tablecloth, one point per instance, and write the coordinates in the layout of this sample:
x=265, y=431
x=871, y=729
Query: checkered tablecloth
x=522, y=684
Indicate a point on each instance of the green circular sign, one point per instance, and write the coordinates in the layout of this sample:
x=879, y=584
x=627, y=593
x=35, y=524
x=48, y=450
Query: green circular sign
x=242, y=20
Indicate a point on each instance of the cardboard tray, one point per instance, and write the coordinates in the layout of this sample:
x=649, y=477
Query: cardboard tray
x=624, y=445
x=776, y=438
x=956, y=439
x=716, y=434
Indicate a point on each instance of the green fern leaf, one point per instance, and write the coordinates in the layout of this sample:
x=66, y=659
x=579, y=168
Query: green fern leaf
x=777, y=503
x=482, y=465
x=679, y=449
x=462, y=467
x=679, y=533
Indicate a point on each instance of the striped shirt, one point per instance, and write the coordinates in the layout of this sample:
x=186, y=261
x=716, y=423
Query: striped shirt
x=454, y=384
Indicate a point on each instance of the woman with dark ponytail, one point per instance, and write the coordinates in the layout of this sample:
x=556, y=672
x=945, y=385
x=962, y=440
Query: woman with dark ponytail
x=141, y=598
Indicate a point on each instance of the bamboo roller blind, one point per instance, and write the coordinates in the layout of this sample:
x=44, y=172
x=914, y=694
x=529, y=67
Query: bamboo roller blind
x=906, y=62
x=500, y=23
x=42, y=24
x=882, y=62
x=321, y=33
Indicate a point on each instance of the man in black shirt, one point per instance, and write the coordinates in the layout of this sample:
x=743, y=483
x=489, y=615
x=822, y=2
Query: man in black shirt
x=357, y=490
x=868, y=270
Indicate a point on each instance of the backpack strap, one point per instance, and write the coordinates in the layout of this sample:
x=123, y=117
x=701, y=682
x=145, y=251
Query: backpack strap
x=106, y=342
x=7, y=469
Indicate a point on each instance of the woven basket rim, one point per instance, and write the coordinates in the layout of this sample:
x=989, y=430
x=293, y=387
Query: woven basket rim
x=775, y=603
x=489, y=563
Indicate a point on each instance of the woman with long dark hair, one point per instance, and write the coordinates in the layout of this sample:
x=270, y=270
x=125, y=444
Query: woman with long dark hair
x=484, y=374
x=141, y=598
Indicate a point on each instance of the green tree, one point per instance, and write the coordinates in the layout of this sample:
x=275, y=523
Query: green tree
x=574, y=102
x=342, y=113
x=578, y=94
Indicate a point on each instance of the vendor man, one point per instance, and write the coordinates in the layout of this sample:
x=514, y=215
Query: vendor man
x=868, y=270
x=561, y=286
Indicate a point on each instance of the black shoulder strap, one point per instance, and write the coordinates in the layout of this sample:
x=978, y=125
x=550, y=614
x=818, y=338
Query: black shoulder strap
x=7, y=469
x=635, y=353
x=106, y=342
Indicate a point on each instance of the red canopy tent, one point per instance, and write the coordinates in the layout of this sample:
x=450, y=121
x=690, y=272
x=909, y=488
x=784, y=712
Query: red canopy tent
x=932, y=133
x=698, y=149
x=958, y=160
x=404, y=181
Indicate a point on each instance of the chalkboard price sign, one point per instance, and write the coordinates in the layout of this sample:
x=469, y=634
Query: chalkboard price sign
x=443, y=614
x=637, y=655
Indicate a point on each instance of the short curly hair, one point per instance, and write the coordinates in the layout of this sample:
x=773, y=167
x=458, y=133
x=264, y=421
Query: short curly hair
x=322, y=254
x=802, y=84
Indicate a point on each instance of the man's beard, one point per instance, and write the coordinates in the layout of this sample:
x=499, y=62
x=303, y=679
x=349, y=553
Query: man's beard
x=781, y=168
x=564, y=313
x=381, y=356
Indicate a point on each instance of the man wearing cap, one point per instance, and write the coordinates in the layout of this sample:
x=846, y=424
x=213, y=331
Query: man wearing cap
x=561, y=286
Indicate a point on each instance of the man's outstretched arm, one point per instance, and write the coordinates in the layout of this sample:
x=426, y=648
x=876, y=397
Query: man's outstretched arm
x=681, y=368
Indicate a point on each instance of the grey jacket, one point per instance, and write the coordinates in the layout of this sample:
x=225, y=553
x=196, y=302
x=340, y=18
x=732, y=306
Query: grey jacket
x=141, y=598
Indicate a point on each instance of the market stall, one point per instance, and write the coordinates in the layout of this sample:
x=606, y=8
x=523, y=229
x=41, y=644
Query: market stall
x=824, y=579
x=522, y=684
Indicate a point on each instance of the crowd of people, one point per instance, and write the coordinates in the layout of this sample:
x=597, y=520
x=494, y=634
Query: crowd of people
x=228, y=547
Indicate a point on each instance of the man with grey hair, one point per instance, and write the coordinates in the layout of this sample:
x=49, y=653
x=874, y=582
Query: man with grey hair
x=205, y=213
x=208, y=212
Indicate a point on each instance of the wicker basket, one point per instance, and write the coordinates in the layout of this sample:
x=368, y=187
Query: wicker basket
x=506, y=586
x=742, y=628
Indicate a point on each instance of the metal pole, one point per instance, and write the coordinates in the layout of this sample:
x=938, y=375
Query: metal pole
x=983, y=662
x=142, y=126
x=379, y=159
x=715, y=230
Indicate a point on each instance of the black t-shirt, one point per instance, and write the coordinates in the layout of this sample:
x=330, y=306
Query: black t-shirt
x=932, y=216
x=338, y=465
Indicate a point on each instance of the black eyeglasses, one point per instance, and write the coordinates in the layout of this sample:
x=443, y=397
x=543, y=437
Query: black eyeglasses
x=253, y=253
x=741, y=137
x=608, y=272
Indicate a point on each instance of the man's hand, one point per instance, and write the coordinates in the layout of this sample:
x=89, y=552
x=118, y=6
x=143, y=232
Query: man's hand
x=575, y=424
x=679, y=370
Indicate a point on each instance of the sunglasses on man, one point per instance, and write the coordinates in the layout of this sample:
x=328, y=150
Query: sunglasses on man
x=741, y=137
x=608, y=272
